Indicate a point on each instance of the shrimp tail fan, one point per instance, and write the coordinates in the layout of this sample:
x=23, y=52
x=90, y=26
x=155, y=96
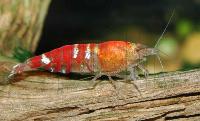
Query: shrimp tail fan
x=5, y=70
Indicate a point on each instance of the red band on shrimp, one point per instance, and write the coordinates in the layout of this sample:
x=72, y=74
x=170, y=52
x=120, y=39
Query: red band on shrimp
x=67, y=57
x=56, y=60
x=35, y=62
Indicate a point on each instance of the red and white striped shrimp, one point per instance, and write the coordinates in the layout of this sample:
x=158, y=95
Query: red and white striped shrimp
x=107, y=58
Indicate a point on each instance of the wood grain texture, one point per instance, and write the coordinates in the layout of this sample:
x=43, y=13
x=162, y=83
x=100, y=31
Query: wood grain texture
x=21, y=23
x=42, y=96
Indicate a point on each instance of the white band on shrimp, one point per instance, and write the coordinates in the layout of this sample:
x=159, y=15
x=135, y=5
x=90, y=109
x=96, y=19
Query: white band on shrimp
x=76, y=50
x=87, y=52
x=45, y=59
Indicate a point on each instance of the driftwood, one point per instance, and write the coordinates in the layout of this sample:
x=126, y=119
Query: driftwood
x=41, y=96
x=21, y=23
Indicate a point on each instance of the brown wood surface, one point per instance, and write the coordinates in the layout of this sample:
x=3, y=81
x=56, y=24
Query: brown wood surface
x=42, y=96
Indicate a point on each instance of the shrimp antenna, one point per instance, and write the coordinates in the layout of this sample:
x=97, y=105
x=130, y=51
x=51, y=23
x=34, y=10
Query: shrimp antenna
x=161, y=36
x=159, y=59
x=163, y=53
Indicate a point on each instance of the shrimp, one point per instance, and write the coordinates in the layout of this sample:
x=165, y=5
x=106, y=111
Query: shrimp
x=107, y=58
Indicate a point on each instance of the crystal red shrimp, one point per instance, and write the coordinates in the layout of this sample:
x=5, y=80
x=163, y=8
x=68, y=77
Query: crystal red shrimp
x=107, y=58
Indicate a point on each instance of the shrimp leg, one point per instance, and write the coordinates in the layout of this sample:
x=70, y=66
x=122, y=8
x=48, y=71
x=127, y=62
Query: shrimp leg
x=144, y=70
x=133, y=73
x=98, y=75
x=111, y=81
x=141, y=67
